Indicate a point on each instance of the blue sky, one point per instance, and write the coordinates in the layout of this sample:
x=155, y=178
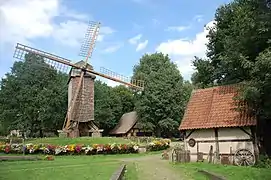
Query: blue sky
x=130, y=28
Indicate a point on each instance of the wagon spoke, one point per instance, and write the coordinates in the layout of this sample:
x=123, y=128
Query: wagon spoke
x=244, y=157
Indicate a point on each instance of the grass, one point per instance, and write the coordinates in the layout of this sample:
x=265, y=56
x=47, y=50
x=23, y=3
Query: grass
x=230, y=172
x=80, y=140
x=131, y=172
x=65, y=167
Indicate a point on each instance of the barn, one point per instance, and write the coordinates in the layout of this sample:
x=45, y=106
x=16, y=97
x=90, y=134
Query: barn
x=212, y=124
x=128, y=126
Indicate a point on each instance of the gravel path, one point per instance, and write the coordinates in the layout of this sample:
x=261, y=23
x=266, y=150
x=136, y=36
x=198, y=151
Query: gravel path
x=153, y=167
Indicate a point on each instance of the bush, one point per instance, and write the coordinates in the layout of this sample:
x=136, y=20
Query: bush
x=264, y=162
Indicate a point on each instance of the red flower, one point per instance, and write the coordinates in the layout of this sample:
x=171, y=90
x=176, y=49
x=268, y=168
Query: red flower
x=7, y=149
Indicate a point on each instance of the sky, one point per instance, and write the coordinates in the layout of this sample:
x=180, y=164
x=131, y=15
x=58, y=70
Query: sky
x=129, y=29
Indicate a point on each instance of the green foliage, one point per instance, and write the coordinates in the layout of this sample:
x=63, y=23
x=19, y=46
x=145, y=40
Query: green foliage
x=110, y=104
x=264, y=162
x=238, y=51
x=161, y=105
x=33, y=97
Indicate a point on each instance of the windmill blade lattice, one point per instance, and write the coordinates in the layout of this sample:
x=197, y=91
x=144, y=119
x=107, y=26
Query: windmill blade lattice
x=92, y=30
x=22, y=50
x=120, y=78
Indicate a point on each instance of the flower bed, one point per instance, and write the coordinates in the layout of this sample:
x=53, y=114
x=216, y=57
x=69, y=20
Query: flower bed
x=158, y=145
x=77, y=149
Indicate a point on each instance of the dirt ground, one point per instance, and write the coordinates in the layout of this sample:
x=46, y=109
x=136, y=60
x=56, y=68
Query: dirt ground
x=153, y=167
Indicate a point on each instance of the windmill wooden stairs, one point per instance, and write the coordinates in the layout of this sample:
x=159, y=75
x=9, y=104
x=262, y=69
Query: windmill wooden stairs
x=79, y=119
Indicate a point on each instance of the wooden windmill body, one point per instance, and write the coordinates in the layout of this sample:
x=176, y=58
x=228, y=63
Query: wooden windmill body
x=79, y=119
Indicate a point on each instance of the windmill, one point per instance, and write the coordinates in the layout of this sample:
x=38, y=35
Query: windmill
x=79, y=119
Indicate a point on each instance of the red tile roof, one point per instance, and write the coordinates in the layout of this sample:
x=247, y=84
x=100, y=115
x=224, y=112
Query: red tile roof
x=213, y=108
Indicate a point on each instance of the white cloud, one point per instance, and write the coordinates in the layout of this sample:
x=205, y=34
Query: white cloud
x=106, y=30
x=112, y=83
x=142, y=45
x=198, y=18
x=25, y=20
x=64, y=11
x=112, y=49
x=182, y=51
x=177, y=28
x=70, y=33
x=134, y=40
x=156, y=22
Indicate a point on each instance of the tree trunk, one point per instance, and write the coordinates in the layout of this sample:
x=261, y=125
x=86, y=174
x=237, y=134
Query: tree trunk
x=41, y=133
x=158, y=132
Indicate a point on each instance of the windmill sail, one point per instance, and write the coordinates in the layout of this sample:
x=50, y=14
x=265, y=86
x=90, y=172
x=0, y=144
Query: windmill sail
x=63, y=64
x=59, y=63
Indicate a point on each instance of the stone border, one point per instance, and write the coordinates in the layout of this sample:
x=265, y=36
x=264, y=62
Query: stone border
x=118, y=175
x=211, y=175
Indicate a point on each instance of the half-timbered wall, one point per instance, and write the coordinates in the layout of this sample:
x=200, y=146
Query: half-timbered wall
x=228, y=138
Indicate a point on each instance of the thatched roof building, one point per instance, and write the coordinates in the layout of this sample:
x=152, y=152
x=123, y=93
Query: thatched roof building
x=128, y=126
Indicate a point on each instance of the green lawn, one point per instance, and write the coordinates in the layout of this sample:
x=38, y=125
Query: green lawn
x=230, y=172
x=65, y=167
x=131, y=173
x=81, y=140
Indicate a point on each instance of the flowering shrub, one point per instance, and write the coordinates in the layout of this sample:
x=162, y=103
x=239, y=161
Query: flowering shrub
x=158, y=145
x=77, y=149
x=73, y=149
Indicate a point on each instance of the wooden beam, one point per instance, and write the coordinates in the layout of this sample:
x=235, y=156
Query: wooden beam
x=189, y=134
x=255, y=143
x=73, y=101
x=250, y=135
x=225, y=140
x=216, y=143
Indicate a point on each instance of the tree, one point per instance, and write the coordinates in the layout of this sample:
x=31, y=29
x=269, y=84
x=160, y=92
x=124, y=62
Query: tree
x=33, y=97
x=160, y=106
x=110, y=104
x=239, y=52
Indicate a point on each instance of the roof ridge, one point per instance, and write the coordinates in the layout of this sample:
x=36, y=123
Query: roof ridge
x=215, y=87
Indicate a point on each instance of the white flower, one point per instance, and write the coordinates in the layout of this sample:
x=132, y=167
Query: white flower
x=46, y=150
x=136, y=148
x=112, y=145
x=87, y=149
x=57, y=151
x=99, y=148
x=31, y=150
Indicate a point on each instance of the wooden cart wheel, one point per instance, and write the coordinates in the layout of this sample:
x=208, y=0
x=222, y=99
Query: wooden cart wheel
x=244, y=157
